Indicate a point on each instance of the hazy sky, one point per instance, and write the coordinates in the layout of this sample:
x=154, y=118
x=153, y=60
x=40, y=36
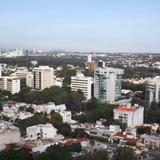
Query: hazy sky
x=81, y=25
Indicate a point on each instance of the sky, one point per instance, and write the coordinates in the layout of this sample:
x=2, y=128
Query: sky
x=81, y=25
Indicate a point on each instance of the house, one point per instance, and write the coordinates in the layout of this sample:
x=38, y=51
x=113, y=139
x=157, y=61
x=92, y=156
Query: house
x=41, y=131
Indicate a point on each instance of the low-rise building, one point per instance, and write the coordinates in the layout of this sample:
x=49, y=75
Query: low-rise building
x=41, y=131
x=130, y=115
x=61, y=109
x=105, y=132
x=21, y=72
x=9, y=134
x=151, y=141
x=59, y=82
x=24, y=115
x=129, y=135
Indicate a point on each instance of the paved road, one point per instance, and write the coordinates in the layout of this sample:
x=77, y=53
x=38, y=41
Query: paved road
x=154, y=155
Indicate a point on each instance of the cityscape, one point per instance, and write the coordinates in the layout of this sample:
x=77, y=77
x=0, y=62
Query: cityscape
x=68, y=91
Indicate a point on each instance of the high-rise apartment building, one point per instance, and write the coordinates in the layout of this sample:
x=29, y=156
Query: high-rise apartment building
x=29, y=80
x=11, y=84
x=21, y=72
x=107, y=83
x=91, y=65
x=43, y=77
x=152, y=93
x=83, y=83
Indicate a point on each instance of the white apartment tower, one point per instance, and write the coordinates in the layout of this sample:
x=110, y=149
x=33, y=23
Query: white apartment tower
x=107, y=83
x=29, y=80
x=89, y=58
x=83, y=83
x=43, y=77
x=153, y=90
x=11, y=84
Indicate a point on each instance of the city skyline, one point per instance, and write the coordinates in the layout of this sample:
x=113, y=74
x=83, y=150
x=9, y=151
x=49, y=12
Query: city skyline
x=103, y=26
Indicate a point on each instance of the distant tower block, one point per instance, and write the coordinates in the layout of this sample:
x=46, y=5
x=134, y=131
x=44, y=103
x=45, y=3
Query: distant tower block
x=89, y=60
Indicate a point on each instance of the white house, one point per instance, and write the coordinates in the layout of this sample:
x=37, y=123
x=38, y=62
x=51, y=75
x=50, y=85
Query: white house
x=61, y=109
x=67, y=116
x=41, y=131
x=24, y=115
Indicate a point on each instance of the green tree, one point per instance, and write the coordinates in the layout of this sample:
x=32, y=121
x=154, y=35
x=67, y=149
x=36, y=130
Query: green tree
x=66, y=72
x=158, y=130
x=38, y=118
x=125, y=153
x=80, y=133
x=4, y=95
x=55, y=152
x=64, y=129
x=12, y=154
x=89, y=73
x=75, y=147
x=144, y=130
x=56, y=118
x=1, y=107
x=30, y=109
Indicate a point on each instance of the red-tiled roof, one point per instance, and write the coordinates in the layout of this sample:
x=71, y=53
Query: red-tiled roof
x=69, y=142
x=126, y=109
x=131, y=139
x=120, y=135
x=82, y=139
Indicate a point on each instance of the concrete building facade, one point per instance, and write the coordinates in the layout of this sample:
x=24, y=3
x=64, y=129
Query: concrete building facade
x=131, y=115
x=11, y=84
x=83, y=83
x=153, y=90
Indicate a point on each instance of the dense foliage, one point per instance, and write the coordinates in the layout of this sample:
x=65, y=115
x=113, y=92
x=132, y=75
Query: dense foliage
x=100, y=111
x=38, y=118
x=43, y=60
x=153, y=113
x=66, y=72
x=125, y=153
x=12, y=154
x=64, y=95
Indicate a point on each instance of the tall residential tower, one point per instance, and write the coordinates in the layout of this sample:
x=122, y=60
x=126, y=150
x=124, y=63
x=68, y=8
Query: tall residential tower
x=107, y=83
x=83, y=83
x=152, y=93
x=43, y=77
